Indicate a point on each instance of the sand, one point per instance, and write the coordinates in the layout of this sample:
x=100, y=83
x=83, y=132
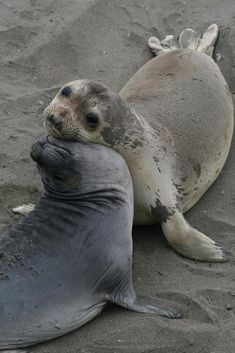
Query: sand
x=44, y=44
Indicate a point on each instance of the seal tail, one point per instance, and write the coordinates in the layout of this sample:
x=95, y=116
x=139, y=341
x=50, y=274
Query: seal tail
x=188, y=39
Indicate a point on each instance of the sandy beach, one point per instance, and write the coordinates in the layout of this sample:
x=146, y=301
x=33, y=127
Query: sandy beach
x=43, y=45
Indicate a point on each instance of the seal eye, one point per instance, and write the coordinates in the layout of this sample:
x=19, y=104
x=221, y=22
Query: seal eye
x=92, y=120
x=66, y=91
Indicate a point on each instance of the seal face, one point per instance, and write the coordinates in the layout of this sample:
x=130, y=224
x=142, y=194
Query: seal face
x=172, y=122
x=70, y=256
x=85, y=111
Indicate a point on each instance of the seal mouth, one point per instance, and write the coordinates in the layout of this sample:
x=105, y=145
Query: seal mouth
x=36, y=148
x=59, y=143
x=49, y=148
x=55, y=120
x=51, y=128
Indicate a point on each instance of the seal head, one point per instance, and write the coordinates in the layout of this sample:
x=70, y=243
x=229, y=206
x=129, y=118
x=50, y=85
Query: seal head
x=85, y=110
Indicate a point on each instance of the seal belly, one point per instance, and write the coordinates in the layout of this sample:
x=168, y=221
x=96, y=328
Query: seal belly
x=185, y=92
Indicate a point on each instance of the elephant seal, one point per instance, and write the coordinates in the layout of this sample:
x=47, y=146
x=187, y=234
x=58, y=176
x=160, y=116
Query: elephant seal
x=172, y=122
x=70, y=256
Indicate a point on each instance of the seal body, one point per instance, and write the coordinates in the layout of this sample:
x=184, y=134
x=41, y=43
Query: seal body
x=173, y=124
x=63, y=262
x=188, y=107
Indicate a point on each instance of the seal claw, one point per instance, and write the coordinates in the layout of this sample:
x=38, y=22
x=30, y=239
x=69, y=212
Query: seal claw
x=226, y=252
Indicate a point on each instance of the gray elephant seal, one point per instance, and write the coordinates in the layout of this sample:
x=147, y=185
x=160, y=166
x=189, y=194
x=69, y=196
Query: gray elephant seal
x=67, y=259
x=173, y=124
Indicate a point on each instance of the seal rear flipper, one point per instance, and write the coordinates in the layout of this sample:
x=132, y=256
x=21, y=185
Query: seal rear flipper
x=208, y=40
x=145, y=305
x=188, y=39
x=162, y=47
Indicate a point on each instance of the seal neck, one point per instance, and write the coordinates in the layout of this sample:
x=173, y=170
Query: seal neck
x=137, y=137
x=139, y=123
x=110, y=195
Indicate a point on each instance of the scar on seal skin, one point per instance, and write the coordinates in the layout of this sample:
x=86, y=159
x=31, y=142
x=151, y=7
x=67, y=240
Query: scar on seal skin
x=72, y=254
x=179, y=110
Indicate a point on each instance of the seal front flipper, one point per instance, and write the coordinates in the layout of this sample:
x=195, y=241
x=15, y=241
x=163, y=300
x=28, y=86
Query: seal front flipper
x=142, y=304
x=191, y=243
x=145, y=305
x=24, y=209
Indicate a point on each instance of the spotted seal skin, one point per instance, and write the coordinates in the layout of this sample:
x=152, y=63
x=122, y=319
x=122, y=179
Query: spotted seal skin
x=173, y=124
x=63, y=262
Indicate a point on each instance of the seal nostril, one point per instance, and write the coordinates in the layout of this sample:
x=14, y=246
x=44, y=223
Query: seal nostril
x=50, y=118
x=58, y=122
x=58, y=126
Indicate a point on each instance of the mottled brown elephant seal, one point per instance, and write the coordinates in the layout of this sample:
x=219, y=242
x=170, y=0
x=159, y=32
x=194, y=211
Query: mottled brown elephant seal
x=173, y=124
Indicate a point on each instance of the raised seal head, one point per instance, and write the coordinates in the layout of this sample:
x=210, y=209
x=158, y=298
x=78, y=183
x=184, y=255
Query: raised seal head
x=87, y=110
